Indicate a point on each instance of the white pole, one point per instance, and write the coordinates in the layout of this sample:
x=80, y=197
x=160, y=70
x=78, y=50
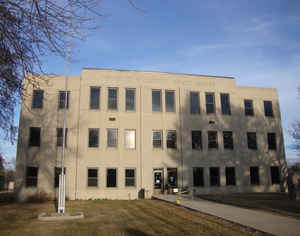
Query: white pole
x=62, y=177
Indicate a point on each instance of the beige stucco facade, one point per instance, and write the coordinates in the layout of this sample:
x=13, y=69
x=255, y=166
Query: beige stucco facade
x=144, y=158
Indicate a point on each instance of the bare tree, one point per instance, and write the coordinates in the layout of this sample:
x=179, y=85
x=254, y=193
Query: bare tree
x=30, y=29
x=294, y=131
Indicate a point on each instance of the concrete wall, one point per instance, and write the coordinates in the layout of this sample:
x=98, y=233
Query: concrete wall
x=144, y=158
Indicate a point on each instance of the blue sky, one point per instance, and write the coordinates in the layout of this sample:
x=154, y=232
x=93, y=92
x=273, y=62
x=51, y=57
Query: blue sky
x=257, y=42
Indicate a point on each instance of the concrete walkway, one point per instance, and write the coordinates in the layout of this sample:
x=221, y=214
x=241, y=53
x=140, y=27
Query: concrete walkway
x=263, y=221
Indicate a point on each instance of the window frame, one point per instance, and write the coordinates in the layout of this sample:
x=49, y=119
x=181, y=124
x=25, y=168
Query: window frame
x=109, y=99
x=160, y=97
x=275, y=176
x=116, y=176
x=209, y=104
x=92, y=107
x=134, y=178
x=228, y=145
x=107, y=141
x=198, y=109
x=196, y=145
x=209, y=146
x=34, y=104
x=200, y=181
x=31, y=142
x=90, y=145
x=211, y=178
x=272, y=141
x=58, y=142
x=251, y=146
x=32, y=180
x=249, y=111
x=161, y=139
x=167, y=140
x=229, y=181
x=269, y=112
x=134, y=99
x=254, y=180
x=125, y=143
x=174, y=101
x=92, y=178
x=61, y=104
x=225, y=104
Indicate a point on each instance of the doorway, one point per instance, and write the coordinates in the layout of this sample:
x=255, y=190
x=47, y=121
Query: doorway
x=158, y=177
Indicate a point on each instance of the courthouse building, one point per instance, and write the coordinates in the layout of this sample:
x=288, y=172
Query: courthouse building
x=132, y=133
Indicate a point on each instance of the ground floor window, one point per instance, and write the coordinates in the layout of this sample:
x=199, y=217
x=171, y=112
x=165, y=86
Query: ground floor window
x=214, y=175
x=111, y=178
x=230, y=175
x=32, y=176
x=254, y=175
x=172, y=177
x=57, y=172
x=275, y=175
x=92, y=177
x=130, y=177
x=198, y=176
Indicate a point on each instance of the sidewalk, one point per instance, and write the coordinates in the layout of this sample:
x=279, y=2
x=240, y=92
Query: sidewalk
x=263, y=221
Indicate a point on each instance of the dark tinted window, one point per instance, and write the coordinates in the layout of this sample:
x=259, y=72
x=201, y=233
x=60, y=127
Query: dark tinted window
x=130, y=99
x=228, y=140
x=198, y=176
x=112, y=98
x=37, y=100
x=92, y=177
x=171, y=139
x=251, y=139
x=170, y=101
x=157, y=138
x=93, y=137
x=210, y=103
x=156, y=100
x=111, y=178
x=230, y=175
x=268, y=108
x=130, y=177
x=214, y=176
x=62, y=98
x=196, y=139
x=212, y=139
x=35, y=136
x=59, y=134
x=254, y=175
x=275, y=175
x=225, y=104
x=32, y=176
x=272, y=141
x=112, y=137
x=57, y=172
x=249, y=107
x=95, y=98
x=194, y=103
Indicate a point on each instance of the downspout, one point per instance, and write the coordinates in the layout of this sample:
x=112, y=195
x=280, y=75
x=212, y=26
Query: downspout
x=181, y=144
x=141, y=139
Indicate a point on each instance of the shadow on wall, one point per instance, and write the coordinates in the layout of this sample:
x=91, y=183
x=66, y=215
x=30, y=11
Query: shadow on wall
x=239, y=157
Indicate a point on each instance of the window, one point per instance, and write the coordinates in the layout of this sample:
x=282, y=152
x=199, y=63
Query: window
x=272, y=141
x=156, y=100
x=157, y=138
x=170, y=101
x=210, y=103
x=198, y=177
x=130, y=99
x=196, y=140
x=112, y=137
x=248, y=107
x=37, y=100
x=62, y=98
x=111, y=178
x=59, y=135
x=212, y=139
x=194, y=103
x=57, y=172
x=228, y=140
x=129, y=139
x=32, y=176
x=230, y=175
x=171, y=139
x=275, y=175
x=225, y=104
x=129, y=177
x=251, y=138
x=35, y=137
x=268, y=108
x=172, y=177
x=93, y=137
x=254, y=175
x=112, y=98
x=92, y=177
x=94, y=98
x=214, y=176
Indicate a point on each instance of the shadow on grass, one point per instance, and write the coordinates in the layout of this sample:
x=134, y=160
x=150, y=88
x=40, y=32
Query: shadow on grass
x=136, y=232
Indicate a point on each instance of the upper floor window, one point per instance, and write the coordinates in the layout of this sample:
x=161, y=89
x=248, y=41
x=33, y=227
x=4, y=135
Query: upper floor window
x=268, y=108
x=59, y=135
x=171, y=139
x=254, y=175
x=112, y=137
x=129, y=139
x=212, y=139
x=272, y=141
x=112, y=99
x=37, y=99
x=196, y=140
x=93, y=137
x=130, y=99
x=210, y=103
x=249, y=111
x=275, y=175
x=35, y=136
x=157, y=138
x=62, y=99
x=170, y=101
x=227, y=140
x=156, y=100
x=95, y=98
x=194, y=103
x=225, y=104
x=32, y=176
x=251, y=139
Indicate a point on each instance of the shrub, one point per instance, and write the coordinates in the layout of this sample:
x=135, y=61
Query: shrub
x=39, y=197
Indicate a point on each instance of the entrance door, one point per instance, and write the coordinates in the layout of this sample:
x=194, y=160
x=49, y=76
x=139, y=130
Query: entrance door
x=158, y=181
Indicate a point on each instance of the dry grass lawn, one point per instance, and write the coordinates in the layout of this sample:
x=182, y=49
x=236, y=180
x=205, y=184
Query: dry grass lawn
x=107, y=217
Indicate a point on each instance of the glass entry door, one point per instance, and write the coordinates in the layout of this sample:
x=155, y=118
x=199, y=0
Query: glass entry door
x=158, y=180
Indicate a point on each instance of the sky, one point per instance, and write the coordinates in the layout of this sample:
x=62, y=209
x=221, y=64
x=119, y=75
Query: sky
x=256, y=42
